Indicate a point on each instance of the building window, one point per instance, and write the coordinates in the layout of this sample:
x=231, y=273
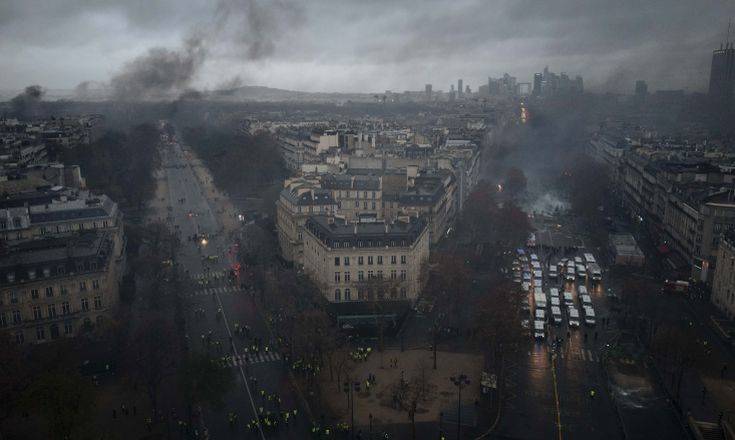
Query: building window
x=34, y=293
x=51, y=310
x=403, y=275
x=347, y=295
x=97, y=302
x=370, y=274
x=364, y=205
x=360, y=275
x=380, y=259
x=40, y=333
x=49, y=292
x=336, y=277
x=68, y=328
x=380, y=274
x=37, y=315
x=347, y=277
x=60, y=270
x=360, y=260
x=347, y=260
x=99, y=320
x=3, y=320
x=19, y=338
x=63, y=290
x=82, y=286
x=373, y=205
x=393, y=293
x=403, y=293
x=95, y=284
x=85, y=305
x=54, y=331
x=393, y=274
x=17, y=318
x=337, y=296
x=13, y=297
x=336, y=261
x=403, y=259
x=370, y=259
x=65, y=309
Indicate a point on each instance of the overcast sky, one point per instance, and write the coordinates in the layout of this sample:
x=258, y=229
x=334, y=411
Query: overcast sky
x=365, y=45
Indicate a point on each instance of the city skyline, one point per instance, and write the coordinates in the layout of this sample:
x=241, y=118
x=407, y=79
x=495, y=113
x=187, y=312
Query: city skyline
x=351, y=47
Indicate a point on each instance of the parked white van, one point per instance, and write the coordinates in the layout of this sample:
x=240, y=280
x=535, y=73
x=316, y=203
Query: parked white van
x=568, y=299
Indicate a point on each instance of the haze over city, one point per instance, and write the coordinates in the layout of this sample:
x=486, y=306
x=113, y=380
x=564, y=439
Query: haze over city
x=353, y=46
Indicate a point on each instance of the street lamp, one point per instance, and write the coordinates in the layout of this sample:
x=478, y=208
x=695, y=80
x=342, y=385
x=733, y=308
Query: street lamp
x=459, y=381
x=350, y=388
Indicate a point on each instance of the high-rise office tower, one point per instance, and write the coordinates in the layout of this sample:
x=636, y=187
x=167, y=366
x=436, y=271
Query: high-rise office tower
x=722, y=75
x=537, y=80
x=459, y=87
x=641, y=91
x=427, y=91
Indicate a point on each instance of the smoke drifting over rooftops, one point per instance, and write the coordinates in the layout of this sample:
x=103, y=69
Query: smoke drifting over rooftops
x=25, y=105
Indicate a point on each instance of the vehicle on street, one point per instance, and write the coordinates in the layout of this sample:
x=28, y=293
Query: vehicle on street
x=552, y=272
x=556, y=314
x=539, y=299
x=554, y=292
x=526, y=286
x=595, y=272
x=573, y=317
x=586, y=300
x=568, y=299
x=675, y=286
x=539, y=330
x=577, y=260
x=589, y=259
x=589, y=316
x=570, y=276
x=582, y=290
x=534, y=257
x=555, y=302
x=540, y=314
x=581, y=271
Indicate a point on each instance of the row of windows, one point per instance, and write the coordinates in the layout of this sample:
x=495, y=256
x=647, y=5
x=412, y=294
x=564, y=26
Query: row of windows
x=355, y=194
x=54, y=331
x=370, y=259
x=16, y=317
x=368, y=294
x=338, y=276
x=49, y=291
x=60, y=270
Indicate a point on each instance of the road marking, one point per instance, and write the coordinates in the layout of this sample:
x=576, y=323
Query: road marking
x=556, y=397
x=589, y=352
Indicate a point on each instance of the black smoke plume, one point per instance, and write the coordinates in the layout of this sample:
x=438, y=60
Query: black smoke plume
x=26, y=104
x=160, y=72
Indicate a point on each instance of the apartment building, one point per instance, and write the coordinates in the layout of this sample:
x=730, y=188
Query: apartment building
x=366, y=261
x=723, y=282
x=59, y=287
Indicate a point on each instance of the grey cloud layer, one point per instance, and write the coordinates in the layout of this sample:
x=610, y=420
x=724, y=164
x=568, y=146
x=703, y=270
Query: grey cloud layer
x=364, y=46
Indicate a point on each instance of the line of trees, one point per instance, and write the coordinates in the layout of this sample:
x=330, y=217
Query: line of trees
x=119, y=164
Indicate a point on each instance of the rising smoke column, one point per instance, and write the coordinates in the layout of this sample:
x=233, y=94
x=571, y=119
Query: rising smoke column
x=159, y=72
x=27, y=103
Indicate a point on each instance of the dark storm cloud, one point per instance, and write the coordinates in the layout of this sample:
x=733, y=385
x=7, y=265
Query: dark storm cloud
x=371, y=45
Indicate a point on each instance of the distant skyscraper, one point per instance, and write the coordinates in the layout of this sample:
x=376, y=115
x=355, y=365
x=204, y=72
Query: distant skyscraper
x=427, y=91
x=537, y=80
x=641, y=91
x=722, y=75
x=459, y=87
